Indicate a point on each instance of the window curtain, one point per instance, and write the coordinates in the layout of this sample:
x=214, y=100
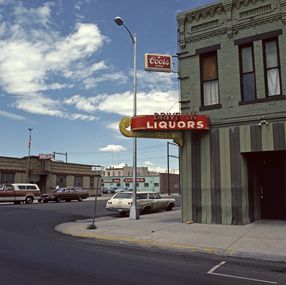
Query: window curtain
x=273, y=81
x=210, y=92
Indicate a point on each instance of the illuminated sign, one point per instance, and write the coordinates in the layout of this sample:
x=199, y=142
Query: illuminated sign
x=169, y=122
x=131, y=179
x=46, y=156
x=158, y=62
x=116, y=180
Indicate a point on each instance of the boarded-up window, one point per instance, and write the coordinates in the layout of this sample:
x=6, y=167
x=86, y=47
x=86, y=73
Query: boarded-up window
x=209, y=79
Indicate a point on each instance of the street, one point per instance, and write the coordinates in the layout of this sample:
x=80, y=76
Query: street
x=32, y=252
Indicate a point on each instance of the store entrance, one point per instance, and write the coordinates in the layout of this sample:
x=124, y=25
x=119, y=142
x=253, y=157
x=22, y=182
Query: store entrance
x=266, y=183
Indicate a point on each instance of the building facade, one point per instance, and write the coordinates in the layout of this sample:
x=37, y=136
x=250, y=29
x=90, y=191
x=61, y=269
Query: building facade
x=231, y=68
x=125, y=171
x=160, y=183
x=48, y=173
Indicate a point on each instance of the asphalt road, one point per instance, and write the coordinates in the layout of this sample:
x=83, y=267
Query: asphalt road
x=32, y=252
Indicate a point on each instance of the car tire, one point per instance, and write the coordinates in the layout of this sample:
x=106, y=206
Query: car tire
x=146, y=210
x=170, y=207
x=29, y=200
x=58, y=199
x=122, y=214
x=79, y=199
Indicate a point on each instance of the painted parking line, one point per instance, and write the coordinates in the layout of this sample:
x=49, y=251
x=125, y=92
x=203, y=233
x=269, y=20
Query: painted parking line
x=212, y=272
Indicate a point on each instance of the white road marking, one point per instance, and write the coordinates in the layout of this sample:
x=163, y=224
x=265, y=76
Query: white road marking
x=212, y=272
x=216, y=267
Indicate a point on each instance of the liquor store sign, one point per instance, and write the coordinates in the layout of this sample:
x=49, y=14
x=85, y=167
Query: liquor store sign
x=169, y=122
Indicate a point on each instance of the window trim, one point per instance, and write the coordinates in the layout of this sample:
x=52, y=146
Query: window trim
x=265, y=69
x=201, y=57
x=241, y=71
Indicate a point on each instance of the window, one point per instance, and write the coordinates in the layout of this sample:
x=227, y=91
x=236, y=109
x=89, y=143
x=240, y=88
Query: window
x=156, y=184
x=127, y=185
x=151, y=196
x=7, y=177
x=272, y=67
x=146, y=184
x=209, y=79
x=61, y=181
x=91, y=182
x=247, y=72
x=78, y=181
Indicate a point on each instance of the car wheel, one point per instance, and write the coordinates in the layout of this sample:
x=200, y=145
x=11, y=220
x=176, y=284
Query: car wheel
x=44, y=201
x=58, y=199
x=122, y=214
x=79, y=199
x=29, y=200
x=146, y=210
x=170, y=207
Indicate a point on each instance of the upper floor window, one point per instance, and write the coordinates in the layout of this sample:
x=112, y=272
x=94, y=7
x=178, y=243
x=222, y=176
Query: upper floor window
x=209, y=79
x=247, y=72
x=272, y=67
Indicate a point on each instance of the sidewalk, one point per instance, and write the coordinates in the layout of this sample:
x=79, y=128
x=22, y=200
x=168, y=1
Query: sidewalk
x=260, y=240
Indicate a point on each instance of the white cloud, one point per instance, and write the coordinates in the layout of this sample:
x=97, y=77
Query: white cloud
x=12, y=116
x=113, y=126
x=122, y=103
x=148, y=163
x=147, y=103
x=36, y=59
x=113, y=148
x=32, y=52
x=92, y=82
x=156, y=80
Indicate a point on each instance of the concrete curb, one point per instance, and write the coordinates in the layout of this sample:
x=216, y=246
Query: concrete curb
x=79, y=229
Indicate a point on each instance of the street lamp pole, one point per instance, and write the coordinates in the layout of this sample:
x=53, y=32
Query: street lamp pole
x=134, y=212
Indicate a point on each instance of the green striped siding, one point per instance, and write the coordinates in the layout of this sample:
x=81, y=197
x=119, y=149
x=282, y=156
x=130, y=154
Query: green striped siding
x=186, y=180
x=267, y=137
x=222, y=196
x=225, y=176
x=205, y=180
x=244, y=185
x=245, y=143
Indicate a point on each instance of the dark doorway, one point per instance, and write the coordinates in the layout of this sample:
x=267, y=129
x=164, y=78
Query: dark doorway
x=266, y=183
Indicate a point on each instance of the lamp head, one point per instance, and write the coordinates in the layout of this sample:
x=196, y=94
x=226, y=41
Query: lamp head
x=118, y=21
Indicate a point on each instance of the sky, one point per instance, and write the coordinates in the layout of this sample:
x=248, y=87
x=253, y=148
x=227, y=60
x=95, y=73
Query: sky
x=66, y=71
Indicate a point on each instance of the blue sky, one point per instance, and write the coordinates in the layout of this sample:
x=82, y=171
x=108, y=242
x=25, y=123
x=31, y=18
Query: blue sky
x=66, y=72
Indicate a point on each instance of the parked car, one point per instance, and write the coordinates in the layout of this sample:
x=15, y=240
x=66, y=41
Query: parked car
x=19, y=192
x=108, y=190
x=147, y=202
x=64, y=194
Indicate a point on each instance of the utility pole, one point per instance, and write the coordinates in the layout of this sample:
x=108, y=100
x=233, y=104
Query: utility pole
x=29, y=153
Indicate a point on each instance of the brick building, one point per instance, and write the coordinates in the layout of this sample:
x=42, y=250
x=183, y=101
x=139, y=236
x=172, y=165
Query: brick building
x=231, y=67
x=48, y=173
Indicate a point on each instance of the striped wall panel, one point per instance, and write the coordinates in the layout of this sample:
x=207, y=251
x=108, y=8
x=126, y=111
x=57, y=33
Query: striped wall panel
x=214, y=175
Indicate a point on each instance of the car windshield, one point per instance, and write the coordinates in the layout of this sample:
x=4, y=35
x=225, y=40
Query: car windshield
x=59, y=190
x=123, y=195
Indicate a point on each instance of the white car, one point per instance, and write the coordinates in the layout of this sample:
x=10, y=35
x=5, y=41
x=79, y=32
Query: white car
x=147, y=202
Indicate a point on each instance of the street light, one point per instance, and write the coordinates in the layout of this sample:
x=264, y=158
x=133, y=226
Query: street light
x=134, y=213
